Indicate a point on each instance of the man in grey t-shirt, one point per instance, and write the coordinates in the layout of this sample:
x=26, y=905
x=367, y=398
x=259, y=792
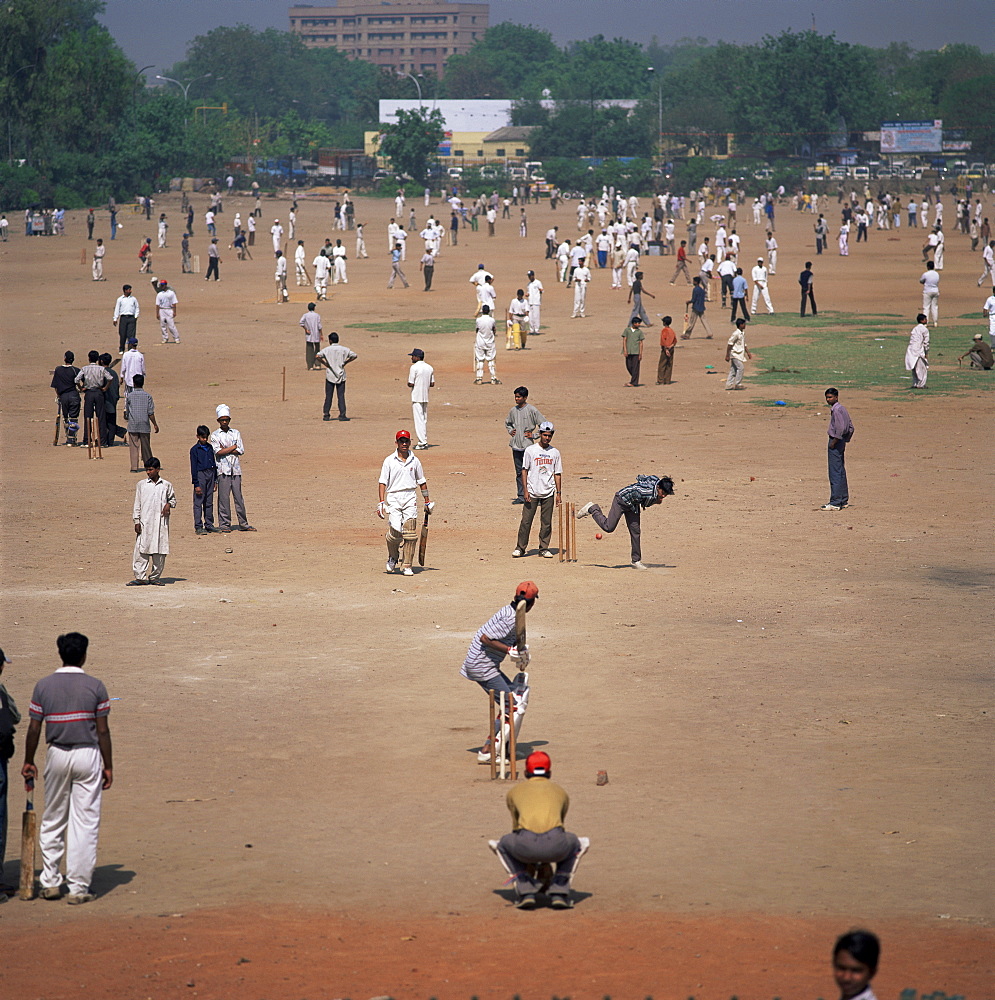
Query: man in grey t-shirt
x=521, y=424
x=334, y=358
x=78, y=768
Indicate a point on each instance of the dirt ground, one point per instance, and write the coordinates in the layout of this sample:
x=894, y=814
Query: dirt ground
x=793, y=707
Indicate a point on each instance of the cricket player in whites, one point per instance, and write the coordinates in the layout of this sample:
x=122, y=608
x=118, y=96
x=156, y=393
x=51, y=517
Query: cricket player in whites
x=400, y=477
x=538, y=808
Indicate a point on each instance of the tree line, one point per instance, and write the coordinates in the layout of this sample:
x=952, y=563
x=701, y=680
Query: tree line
x=82, y=125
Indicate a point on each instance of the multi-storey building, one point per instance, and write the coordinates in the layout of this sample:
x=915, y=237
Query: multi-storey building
x=408, y=36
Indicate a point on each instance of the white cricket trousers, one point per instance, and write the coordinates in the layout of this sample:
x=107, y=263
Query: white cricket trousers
x=419, y=413
x=931, y=307
x=71, y=821
x=534, y=311
x=759, y=290
x=167, y=326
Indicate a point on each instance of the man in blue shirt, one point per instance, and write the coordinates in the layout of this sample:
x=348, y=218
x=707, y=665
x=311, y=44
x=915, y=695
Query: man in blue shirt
x=204, y=474
x=694, y=310
x=739, y=296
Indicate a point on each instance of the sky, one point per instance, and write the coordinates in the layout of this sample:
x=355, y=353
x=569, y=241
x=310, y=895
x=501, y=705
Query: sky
x=157, y=32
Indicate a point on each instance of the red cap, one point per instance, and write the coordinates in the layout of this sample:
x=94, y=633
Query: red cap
x=527, y=590
x=402, y=434
x=537, y=763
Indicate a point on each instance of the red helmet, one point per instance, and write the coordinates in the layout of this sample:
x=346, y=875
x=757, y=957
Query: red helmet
x=537, y=765
x=526, y=590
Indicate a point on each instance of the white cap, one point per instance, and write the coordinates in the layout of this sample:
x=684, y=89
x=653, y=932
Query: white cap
x=222, y=410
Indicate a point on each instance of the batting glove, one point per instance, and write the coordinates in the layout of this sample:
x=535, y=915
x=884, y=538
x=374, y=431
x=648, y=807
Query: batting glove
x=430, y=506
x=382, y=510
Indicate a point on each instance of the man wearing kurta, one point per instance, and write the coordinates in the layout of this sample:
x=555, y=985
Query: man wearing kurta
x=154, y=500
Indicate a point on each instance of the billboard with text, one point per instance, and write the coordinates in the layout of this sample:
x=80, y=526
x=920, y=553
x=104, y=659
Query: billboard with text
x=912, y=137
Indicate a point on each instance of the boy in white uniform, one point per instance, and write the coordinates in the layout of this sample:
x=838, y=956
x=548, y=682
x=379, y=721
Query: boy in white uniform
x=542, y=469
x=421, y=378
x=400, y=474
x=484, y=347
x=534, y=293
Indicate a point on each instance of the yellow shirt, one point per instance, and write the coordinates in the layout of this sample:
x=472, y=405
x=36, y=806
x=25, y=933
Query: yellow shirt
x=538, y=805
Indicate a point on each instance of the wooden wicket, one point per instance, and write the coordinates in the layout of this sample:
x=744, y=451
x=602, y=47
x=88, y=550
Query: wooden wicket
x=567, y=532
x=502, y=706
x=490, y=699
x=93, y=438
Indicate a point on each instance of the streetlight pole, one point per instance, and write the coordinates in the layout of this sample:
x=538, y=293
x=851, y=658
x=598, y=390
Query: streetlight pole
x=659, y=128
x=414, y=79
x=185, y=87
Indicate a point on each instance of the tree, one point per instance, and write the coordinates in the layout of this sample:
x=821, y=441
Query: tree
x=511, y=60
x=412, y=140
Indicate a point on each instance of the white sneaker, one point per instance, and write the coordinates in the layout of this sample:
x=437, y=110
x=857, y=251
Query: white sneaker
x=391, y=566
x=408, y=571
x=585, y=510
x=546, y=554
x=517, y=554
x=830, y=506
x=639, y=565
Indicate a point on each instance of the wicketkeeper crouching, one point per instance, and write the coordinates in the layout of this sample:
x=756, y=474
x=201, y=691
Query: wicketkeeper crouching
x=538, y=808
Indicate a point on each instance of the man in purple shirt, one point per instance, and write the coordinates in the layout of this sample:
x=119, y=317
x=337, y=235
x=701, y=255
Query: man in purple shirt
x=840, y=432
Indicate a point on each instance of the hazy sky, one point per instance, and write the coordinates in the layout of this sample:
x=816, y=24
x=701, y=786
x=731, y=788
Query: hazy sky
x=157, y=32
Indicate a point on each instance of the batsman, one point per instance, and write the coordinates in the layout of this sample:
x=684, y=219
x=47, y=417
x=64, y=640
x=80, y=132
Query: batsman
x=503, y=634
x=401, y=476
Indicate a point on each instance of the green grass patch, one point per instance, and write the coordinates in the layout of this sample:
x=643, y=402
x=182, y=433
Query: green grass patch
x=419, y=327
x=856, y=351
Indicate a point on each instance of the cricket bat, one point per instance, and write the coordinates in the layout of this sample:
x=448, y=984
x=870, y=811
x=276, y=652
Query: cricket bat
x=520, y=612
x=58, y=417
x=423, y=543
x=29, y=831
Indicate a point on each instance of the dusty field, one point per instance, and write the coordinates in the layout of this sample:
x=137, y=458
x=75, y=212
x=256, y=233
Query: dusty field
x=793, y=707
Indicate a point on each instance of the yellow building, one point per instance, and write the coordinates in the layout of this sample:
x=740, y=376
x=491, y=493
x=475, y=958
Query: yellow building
x=408, y=36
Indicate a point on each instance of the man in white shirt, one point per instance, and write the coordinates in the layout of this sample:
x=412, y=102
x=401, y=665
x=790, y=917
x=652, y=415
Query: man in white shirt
x=581, y=277
x=631, y=263
x=484, y=347
x=300, y=265
x=542, y=470
x=917, y=353
x=517, y=314
x=988, y=262
x=282, y=295
x=227, y=445
x=276, y=231
x=534, y=293
x=400, y=476
x=338, y=261
x=563, y=260
x=988, y=309
x=488, y=293
x=930, y=282
x=421, y=378
x=97, y=269
x=726, y=272
x=333, y=359
x=166, y=308
x=759, y=276
x=132, y=364
x=126, y=312
x=322, y=265
x=477, y=280
x=771, y=246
